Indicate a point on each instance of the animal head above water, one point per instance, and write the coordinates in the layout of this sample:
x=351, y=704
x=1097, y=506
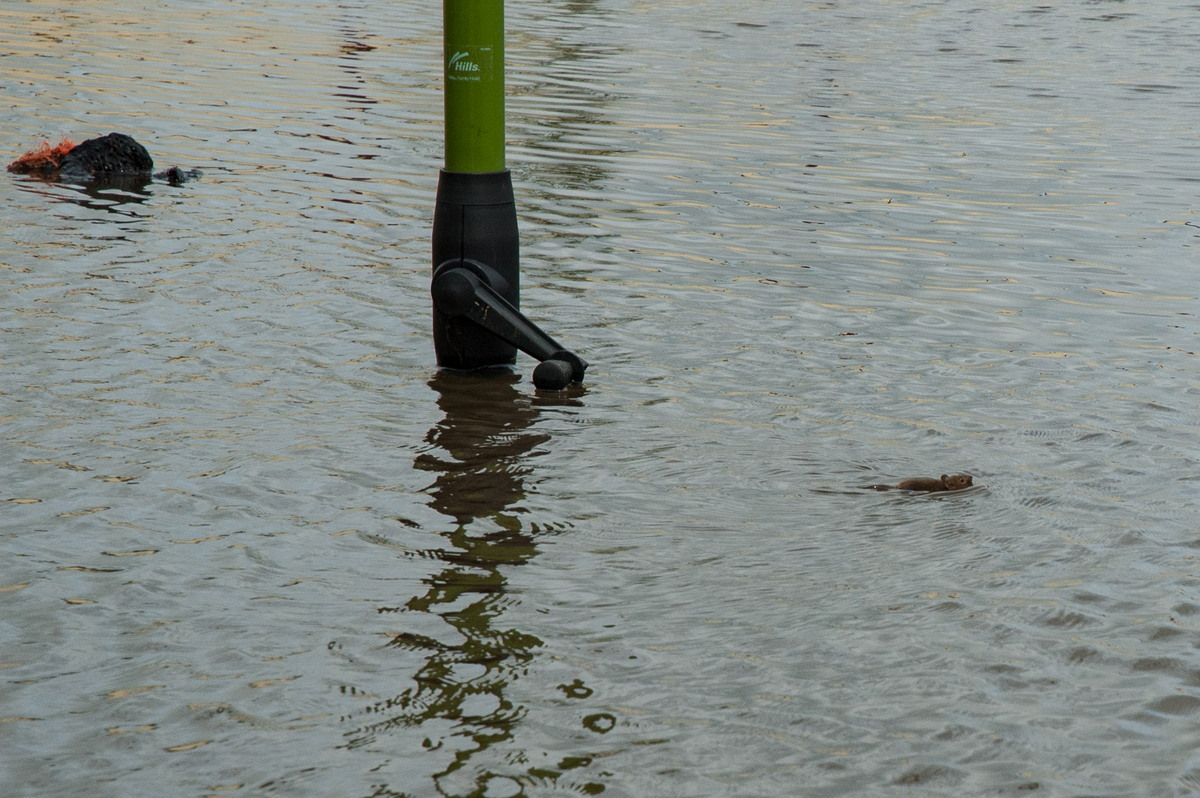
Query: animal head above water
x=957, y=481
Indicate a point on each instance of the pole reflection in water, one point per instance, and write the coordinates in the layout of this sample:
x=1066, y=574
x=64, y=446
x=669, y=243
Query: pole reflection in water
x=458, y=692
x=485, y=434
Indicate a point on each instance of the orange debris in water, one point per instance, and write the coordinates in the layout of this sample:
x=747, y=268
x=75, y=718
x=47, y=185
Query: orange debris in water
x=46, y=157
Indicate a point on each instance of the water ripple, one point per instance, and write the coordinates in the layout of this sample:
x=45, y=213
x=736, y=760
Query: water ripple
x=807, y=247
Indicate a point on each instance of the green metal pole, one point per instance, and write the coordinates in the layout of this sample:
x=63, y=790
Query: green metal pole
x=475, y=218
x=476, y=288
x=474, y=92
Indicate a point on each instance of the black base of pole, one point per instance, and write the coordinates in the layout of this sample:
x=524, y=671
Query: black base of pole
x=477, y=321
x=475, y=219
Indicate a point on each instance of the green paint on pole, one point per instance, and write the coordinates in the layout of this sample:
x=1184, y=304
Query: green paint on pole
x=474, y=64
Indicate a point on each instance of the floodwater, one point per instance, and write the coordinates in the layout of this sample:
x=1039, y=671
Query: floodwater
x=255, y=544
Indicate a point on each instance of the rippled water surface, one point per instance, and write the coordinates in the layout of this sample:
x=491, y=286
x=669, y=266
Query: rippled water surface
x=254, y=543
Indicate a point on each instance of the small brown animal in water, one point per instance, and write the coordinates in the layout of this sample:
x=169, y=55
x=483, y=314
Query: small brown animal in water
x=944, y=482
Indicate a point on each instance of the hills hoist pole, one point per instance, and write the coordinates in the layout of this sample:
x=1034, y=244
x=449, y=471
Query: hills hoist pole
x=476, y=253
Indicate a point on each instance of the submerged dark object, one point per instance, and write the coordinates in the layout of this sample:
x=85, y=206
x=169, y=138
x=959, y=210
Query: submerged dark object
x=115, y=157
x=930, y=485
x=175, y=176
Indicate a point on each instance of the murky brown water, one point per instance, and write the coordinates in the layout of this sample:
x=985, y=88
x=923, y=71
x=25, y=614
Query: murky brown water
x=255, y=544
